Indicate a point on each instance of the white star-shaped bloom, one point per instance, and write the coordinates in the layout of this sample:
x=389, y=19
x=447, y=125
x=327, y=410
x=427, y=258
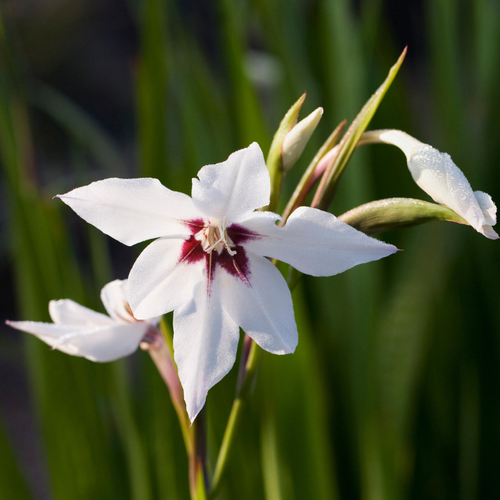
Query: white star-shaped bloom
x=209, y=262
x=444, y=182
x=80, y=331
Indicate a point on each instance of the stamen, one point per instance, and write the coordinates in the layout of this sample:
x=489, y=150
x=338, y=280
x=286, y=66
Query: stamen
x=210, y=248
x=229, y=250
x=208, y=234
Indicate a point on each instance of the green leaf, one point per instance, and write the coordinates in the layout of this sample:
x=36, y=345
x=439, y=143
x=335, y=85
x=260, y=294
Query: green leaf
x=331, y=177
x=12, y=483
x=152, y=83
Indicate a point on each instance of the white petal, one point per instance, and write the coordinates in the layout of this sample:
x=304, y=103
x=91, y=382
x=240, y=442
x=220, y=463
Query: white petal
x=205, y=344
x=489, y=232
x=235, y=187
x=103, y=343
x=132, y=210
x=263, y=308
x=444, y=182
x=315, y=242
x=67, y=312
x=114, y=298
x=487, y=206
x=50, y=333
x=110, y=343
x=489, y=210
x=158, y=283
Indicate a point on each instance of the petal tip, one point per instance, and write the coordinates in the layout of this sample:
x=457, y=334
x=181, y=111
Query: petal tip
x=194, y=410
x=489, y=232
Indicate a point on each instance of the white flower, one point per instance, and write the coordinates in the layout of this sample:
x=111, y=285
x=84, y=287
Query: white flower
x=82, y=332
x=444, y=182
x=209, y=262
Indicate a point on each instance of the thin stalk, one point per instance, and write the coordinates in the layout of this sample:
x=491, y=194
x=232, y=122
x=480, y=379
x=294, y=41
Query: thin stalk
x=198, y=477
x=160, y=350
x=241, y=398
x=159, y=345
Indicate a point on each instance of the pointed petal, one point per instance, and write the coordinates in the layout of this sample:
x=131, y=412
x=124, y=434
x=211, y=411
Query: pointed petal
x=235, y=187
x=489, y=232
x=205, y=345
x=315, y=242
x=103, y=343
x=108, y=343
x=158, y=282
x=132, y=210
x=50, y=333
x=67, y=312
x=114, y=298
x=262, y=307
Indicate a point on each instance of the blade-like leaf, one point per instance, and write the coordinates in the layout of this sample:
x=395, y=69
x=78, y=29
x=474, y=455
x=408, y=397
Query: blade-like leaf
x=331, y=177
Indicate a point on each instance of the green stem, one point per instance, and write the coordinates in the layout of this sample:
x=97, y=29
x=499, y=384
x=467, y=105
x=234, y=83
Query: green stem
x=276, y=184
x=235, y=416
x=198, y=478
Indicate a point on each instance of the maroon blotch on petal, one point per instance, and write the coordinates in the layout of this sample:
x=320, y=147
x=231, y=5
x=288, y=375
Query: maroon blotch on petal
x=191, y=251
x=240, y=234
x=236, y=265
x=195, y=225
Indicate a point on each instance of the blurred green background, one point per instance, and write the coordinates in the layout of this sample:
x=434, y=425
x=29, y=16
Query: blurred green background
x=393, y=390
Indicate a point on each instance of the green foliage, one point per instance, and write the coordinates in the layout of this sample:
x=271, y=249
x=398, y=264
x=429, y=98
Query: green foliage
x=392, y=393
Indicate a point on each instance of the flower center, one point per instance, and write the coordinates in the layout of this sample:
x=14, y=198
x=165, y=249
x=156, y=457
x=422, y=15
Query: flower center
x=214, y=237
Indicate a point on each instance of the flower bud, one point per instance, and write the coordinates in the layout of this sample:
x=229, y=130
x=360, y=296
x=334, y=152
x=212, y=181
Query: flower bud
x=442, y=180
x=296, y=140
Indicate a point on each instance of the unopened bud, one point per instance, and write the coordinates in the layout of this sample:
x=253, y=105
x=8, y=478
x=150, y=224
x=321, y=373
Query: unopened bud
x=442, y=180
x=296, y=140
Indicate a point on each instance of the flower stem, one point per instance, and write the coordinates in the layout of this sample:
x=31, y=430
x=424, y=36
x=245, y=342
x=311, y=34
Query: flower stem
x=198, y=478
x=160, y=350
x=245, y=383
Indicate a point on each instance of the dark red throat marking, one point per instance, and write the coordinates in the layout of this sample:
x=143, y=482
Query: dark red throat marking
x=236, y=265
